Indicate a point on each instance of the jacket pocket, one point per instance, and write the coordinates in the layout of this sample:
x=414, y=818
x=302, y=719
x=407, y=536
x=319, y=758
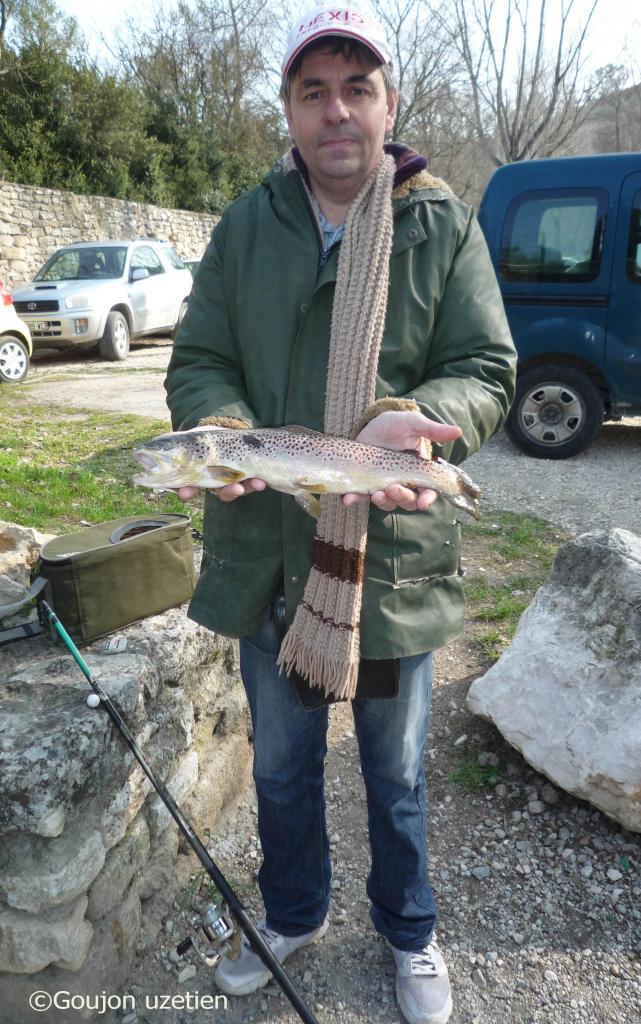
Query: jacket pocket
x=242, y=530
x=426, y=546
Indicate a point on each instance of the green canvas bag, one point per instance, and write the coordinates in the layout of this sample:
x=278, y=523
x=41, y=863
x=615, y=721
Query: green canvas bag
x=110, y=575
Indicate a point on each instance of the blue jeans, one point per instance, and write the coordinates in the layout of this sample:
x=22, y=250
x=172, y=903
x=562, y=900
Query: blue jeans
x=290, y=744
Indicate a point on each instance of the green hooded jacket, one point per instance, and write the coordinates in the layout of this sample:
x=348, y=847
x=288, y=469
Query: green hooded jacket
x=254, y=344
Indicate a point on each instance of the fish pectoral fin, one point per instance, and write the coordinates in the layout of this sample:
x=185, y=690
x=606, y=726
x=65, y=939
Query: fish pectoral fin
x=308, y=502
x=306, y=483
x=225, y=475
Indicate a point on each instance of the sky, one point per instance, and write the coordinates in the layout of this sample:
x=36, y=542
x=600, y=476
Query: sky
x=616, y=26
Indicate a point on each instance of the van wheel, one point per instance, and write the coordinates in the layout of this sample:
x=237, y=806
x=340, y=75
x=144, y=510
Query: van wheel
x=114, y=343
x=557, y=412
x=14, y=359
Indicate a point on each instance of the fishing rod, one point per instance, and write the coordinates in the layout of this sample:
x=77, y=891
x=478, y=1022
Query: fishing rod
x=214, y=924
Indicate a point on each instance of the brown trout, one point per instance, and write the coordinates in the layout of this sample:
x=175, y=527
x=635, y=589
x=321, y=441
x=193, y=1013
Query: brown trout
x=297, y=461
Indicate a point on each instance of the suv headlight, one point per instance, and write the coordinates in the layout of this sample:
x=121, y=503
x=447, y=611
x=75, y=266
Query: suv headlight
x=77, y=301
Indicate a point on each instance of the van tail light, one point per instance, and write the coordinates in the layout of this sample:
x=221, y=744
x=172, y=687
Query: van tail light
x=5, y=298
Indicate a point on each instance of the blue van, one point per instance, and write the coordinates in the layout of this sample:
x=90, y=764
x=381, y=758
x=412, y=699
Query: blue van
x=565, y=239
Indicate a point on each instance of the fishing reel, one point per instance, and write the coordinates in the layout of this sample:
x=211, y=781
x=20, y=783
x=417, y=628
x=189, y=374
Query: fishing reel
x=212, y=922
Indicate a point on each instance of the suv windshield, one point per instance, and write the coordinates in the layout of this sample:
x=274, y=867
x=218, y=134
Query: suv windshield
x=97, y=263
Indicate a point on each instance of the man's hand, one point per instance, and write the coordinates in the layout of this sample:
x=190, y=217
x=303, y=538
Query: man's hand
x=402, y=431
x=227, y=493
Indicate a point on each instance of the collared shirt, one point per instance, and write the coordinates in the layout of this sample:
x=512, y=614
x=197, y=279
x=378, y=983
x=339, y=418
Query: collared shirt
x=331, y=232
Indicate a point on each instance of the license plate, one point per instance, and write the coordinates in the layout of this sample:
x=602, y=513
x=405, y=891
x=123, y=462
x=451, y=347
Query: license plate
x=39, y=325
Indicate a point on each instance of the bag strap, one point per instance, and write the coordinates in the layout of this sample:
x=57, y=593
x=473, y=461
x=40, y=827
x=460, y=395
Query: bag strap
x=26, y=629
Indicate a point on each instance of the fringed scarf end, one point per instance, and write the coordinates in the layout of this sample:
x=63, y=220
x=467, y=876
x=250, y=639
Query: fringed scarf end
x=334, y=677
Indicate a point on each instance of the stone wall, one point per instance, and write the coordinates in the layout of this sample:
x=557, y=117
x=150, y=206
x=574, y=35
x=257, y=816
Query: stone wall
x=90, y=860
x=34, y=222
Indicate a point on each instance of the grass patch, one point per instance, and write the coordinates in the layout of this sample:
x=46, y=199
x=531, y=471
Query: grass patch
x=515, y=536
x=502, y=608
x=58, y=468
x=471, y=775
x=514, y=554
x=493, y=643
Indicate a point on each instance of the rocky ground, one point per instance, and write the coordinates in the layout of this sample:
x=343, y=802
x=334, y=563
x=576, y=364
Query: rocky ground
x=539, y=895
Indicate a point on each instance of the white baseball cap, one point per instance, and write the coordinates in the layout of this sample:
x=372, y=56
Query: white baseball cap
x=336, y=20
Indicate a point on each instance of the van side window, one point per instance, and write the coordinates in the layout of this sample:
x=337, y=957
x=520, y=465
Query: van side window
x=633, y=261
x=554, y=235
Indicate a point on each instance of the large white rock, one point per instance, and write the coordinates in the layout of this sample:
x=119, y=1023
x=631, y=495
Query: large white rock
x=567, y=692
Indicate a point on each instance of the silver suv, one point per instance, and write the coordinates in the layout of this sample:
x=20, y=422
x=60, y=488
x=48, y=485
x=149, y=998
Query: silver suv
x=104, y=293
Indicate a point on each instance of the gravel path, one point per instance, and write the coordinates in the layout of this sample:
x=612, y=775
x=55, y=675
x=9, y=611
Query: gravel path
x=539, y=894
x=85, y=382
x=598, y=489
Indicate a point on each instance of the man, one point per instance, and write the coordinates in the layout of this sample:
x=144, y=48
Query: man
x=351, y=293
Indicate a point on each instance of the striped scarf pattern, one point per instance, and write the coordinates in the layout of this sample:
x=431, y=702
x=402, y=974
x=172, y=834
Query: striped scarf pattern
x=323, y=642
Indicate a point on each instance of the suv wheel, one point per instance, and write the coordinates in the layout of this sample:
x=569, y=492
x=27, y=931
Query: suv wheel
x=14, y=359
x=114, y=343
x=557, y=412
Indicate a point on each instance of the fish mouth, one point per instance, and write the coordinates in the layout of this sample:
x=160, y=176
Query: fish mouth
x=159, y=470
x=146, y=460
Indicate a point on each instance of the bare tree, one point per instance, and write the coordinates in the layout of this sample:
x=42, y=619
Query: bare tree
x=422, y=58
x=610, y=101
x=613, y=123
x=426, y=63
x=528, y=97
x=446, y=137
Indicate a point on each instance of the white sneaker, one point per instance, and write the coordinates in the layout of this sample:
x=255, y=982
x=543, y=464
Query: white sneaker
x=423, y=985
x=247, y=973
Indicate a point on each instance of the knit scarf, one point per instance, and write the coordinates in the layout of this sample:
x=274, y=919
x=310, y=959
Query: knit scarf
x=323, y=641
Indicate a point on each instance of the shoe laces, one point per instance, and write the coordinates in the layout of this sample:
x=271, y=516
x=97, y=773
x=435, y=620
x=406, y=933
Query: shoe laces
x=423, y=961
x=269, y=934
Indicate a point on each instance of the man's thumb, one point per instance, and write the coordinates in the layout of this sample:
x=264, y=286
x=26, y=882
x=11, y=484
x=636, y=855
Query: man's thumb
x=439, y=432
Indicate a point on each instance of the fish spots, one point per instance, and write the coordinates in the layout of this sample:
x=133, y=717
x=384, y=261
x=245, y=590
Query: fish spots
x=252, y=441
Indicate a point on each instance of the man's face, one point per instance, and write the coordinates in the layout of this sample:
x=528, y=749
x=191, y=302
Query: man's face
x=338, y=113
